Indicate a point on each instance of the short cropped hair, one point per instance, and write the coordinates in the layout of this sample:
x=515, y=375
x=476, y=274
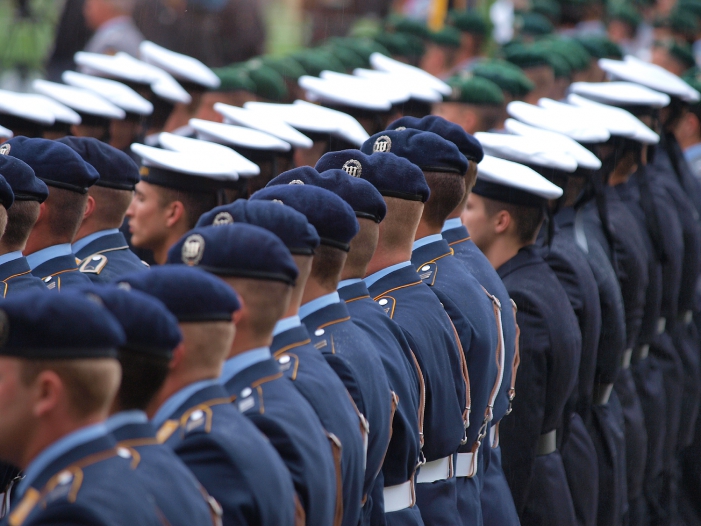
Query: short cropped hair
x=265, y=300
x=447, y=191
x=110, y=205
x=21, y=218
x=142, y=377
x=327, y=265
x=195, y=203
x=64, y=212
x=528, y=219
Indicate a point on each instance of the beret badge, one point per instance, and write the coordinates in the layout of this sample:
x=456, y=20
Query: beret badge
x=383, y=144
x=296, y=181
x=5, y=149
x=353, y=168
x=193, y=250
x=223, y=218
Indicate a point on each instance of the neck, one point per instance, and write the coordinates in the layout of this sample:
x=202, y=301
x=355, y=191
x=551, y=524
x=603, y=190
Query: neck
x=426, y=230
x=501, y=251
x=354, y=272
x=37, y=243
x=314, y=290
x=386, y=258
x=87, y=228
x=178, y=379
x=6, y=249
x=160, y=253
x=245, y=341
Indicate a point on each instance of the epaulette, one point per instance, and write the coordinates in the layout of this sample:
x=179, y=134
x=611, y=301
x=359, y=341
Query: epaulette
x=249, y=400
x=289, y=364
x=198, y=418
x=428, y=272
x=387, y=303
x=93, y=264
x=52, y=283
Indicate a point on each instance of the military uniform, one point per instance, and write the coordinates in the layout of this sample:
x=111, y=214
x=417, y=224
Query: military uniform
x=16, y=276
x=57, y=267
x=105, y=258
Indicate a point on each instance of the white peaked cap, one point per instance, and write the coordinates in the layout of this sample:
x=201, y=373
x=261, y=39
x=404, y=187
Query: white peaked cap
x=652, y=76
x=338, y=92
x=585, y=158
x=265, y=122
x=5, y=133
x=586, y=130
x=620, y=94
x=526, y=150
x=234, y=136
x=610, y=114
x=192, y=162
x=22, y=106
x=515, y=175
x=385, y=63
x=79, y=99
x=393, y=92
x=179, y=65
x=115, y=92
x=418, y=90
x=308, y=117
x=60, y=112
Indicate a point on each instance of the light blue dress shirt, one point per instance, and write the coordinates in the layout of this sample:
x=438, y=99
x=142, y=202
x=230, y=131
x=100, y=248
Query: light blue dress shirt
x=85, y=241
x=45, y=254
x=235, y=365
x=318, y=304
x=286, y=324
x=427, y=240
x=377, y=276
x=177, y=399
x=10, y=256
x=123, y=418
x=451, y=223
x=348, y=282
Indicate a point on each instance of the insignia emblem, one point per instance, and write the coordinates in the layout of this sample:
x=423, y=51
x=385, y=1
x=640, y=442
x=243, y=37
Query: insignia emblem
x=296, y=181
x=4, y=328
x=65, y=477
x=353, y=168
x=5, y=149
x=193, y=250
x=400, y=128
x=196, y=419
x=383, y=144
x=223, y=218
x=124, y=286
x=278, y=201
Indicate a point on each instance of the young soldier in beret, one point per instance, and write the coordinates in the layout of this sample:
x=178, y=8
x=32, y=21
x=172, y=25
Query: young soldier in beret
x=232, y=460
x=476, y=104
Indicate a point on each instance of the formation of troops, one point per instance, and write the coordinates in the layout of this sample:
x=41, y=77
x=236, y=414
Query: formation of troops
x=355, y=312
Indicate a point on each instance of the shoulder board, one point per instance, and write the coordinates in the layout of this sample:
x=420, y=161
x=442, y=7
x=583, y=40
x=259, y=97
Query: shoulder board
x=93, y=264
x=52, y=282
x=21, y=511
x=388, y=304
x=199, y=418
x=289, y=363
x=250, y=400
x=427, y=273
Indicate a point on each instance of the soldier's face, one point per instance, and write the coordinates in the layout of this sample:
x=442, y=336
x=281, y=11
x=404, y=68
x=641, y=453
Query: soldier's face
x=147, y=217
x=16, y=411
x=476, y=220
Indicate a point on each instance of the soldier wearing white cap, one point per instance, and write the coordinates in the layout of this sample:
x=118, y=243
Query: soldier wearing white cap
x=113, y=25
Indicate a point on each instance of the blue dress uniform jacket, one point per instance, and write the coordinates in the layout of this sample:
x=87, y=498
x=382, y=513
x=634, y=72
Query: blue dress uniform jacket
x=327, y=395
x=352, y=355
x=263, y=394
x=60, y=272
x=108, y=257
x=16, y=276
x=403, y=373
x=477, y=318
x=410, y=303
x=93, y=483
x=176, y=490
x=497, y=503
x=550, y=347
x=232, y=460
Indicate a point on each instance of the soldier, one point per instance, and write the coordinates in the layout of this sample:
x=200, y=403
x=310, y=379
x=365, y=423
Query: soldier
x=344, y=345
x=258, y=266
x=232, y=460
x=292, y=348
x=48, y=248
x=504, y=213
x=62, y=381
x=101, y=248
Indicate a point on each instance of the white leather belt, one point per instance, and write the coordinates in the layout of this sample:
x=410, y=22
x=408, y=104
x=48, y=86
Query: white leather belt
x=399, y=497
x=493, y=436
x=440, y=469
x=627, y=355
x=547, y=443
x=466, y=465
x=643, y=351
x=661, y=325
x=602, y=393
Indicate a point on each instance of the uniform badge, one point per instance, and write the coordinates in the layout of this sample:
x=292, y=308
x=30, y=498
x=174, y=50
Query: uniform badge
x=296, y=181
x=223, y=218
x=382, y=144
x=247, y=401
x=193, y=250
x=353, y=168
x=4, y=328
x=400, y=128
x=277, y=201
x=5, y=149
x=197, y=418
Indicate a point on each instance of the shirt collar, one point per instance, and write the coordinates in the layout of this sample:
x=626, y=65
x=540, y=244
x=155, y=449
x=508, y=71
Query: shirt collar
x=348, y=283
x=124, y=418
x=235, y=365
x=56, y=450
x=170, y=406
x=85, y=241
x=45, y=254
x=116, y=21
x=451, y=223
x=319, y=303
x=10, y=256
x=377, y=276
x=692, y=151
x=427, y=240
x=286, y=324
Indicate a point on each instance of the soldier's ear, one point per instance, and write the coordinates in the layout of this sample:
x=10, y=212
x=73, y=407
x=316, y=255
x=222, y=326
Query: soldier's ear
x=178, y=355
x=175, y=212
x=501, y=221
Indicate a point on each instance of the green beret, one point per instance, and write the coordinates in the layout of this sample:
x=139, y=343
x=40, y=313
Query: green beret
x=526, y=57
x=693, y=78
x=680, y=21
x=625, y=13
x=314, y=61
x=288, y=67
x=504, y=74
x=680, y=52
x=363, y=47
x=346, y=56
x=693, y=6
x=613, y=50
x=403, y=24
x=269, y=83
x=448, y=37
x=593, y=44
x=470, y=89
x=548, y=8
x=401, y=44
x=576, y=55
x=234, y=79
x=470, y=22
x=533, y=24
x=559, y=63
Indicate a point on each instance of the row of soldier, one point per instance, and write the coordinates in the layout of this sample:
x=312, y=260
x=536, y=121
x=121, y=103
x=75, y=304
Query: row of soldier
x=377, y=343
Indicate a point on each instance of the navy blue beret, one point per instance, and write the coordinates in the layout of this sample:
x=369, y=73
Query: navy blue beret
x=236, y=250
x=363, y=198
x=40, y=326
x=191, y=294
x=117, y=170
x=285, y=222
x=428, y=151
x=332, y=217
x=147, y=324
x=7, y=197
x=392, y=176
x=466, y=143
x=54, y=163
x=20, y=176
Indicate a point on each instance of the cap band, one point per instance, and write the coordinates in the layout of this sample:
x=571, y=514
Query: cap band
x=507, y=194
x=253, y=274
x=441, y=169
x=401, y=195
x=334, y=244
x=65, y=186
x=178, y=180
x=115, y=186
x=57, y=353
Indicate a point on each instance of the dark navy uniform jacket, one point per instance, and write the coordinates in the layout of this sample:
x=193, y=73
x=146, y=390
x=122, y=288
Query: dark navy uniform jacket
x=232, y=460
x=107, y=257
x=409, y=302
x=321, y=387
x=57, y=271
x=403, y=373
x=16, y=276
x=90, y=483
x=352, y=355
x=263, y=394
x=550, y=347
x=176, y=490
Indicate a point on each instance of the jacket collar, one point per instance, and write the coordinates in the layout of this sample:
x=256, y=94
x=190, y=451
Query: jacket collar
x=293, y=337
x=330, y=313
x=354, y=291
x=525, y=257
x=456, y=235
x=266, y=369
x=430, y=252
x=104, y=242
x=14, y=268
x=402, y=276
